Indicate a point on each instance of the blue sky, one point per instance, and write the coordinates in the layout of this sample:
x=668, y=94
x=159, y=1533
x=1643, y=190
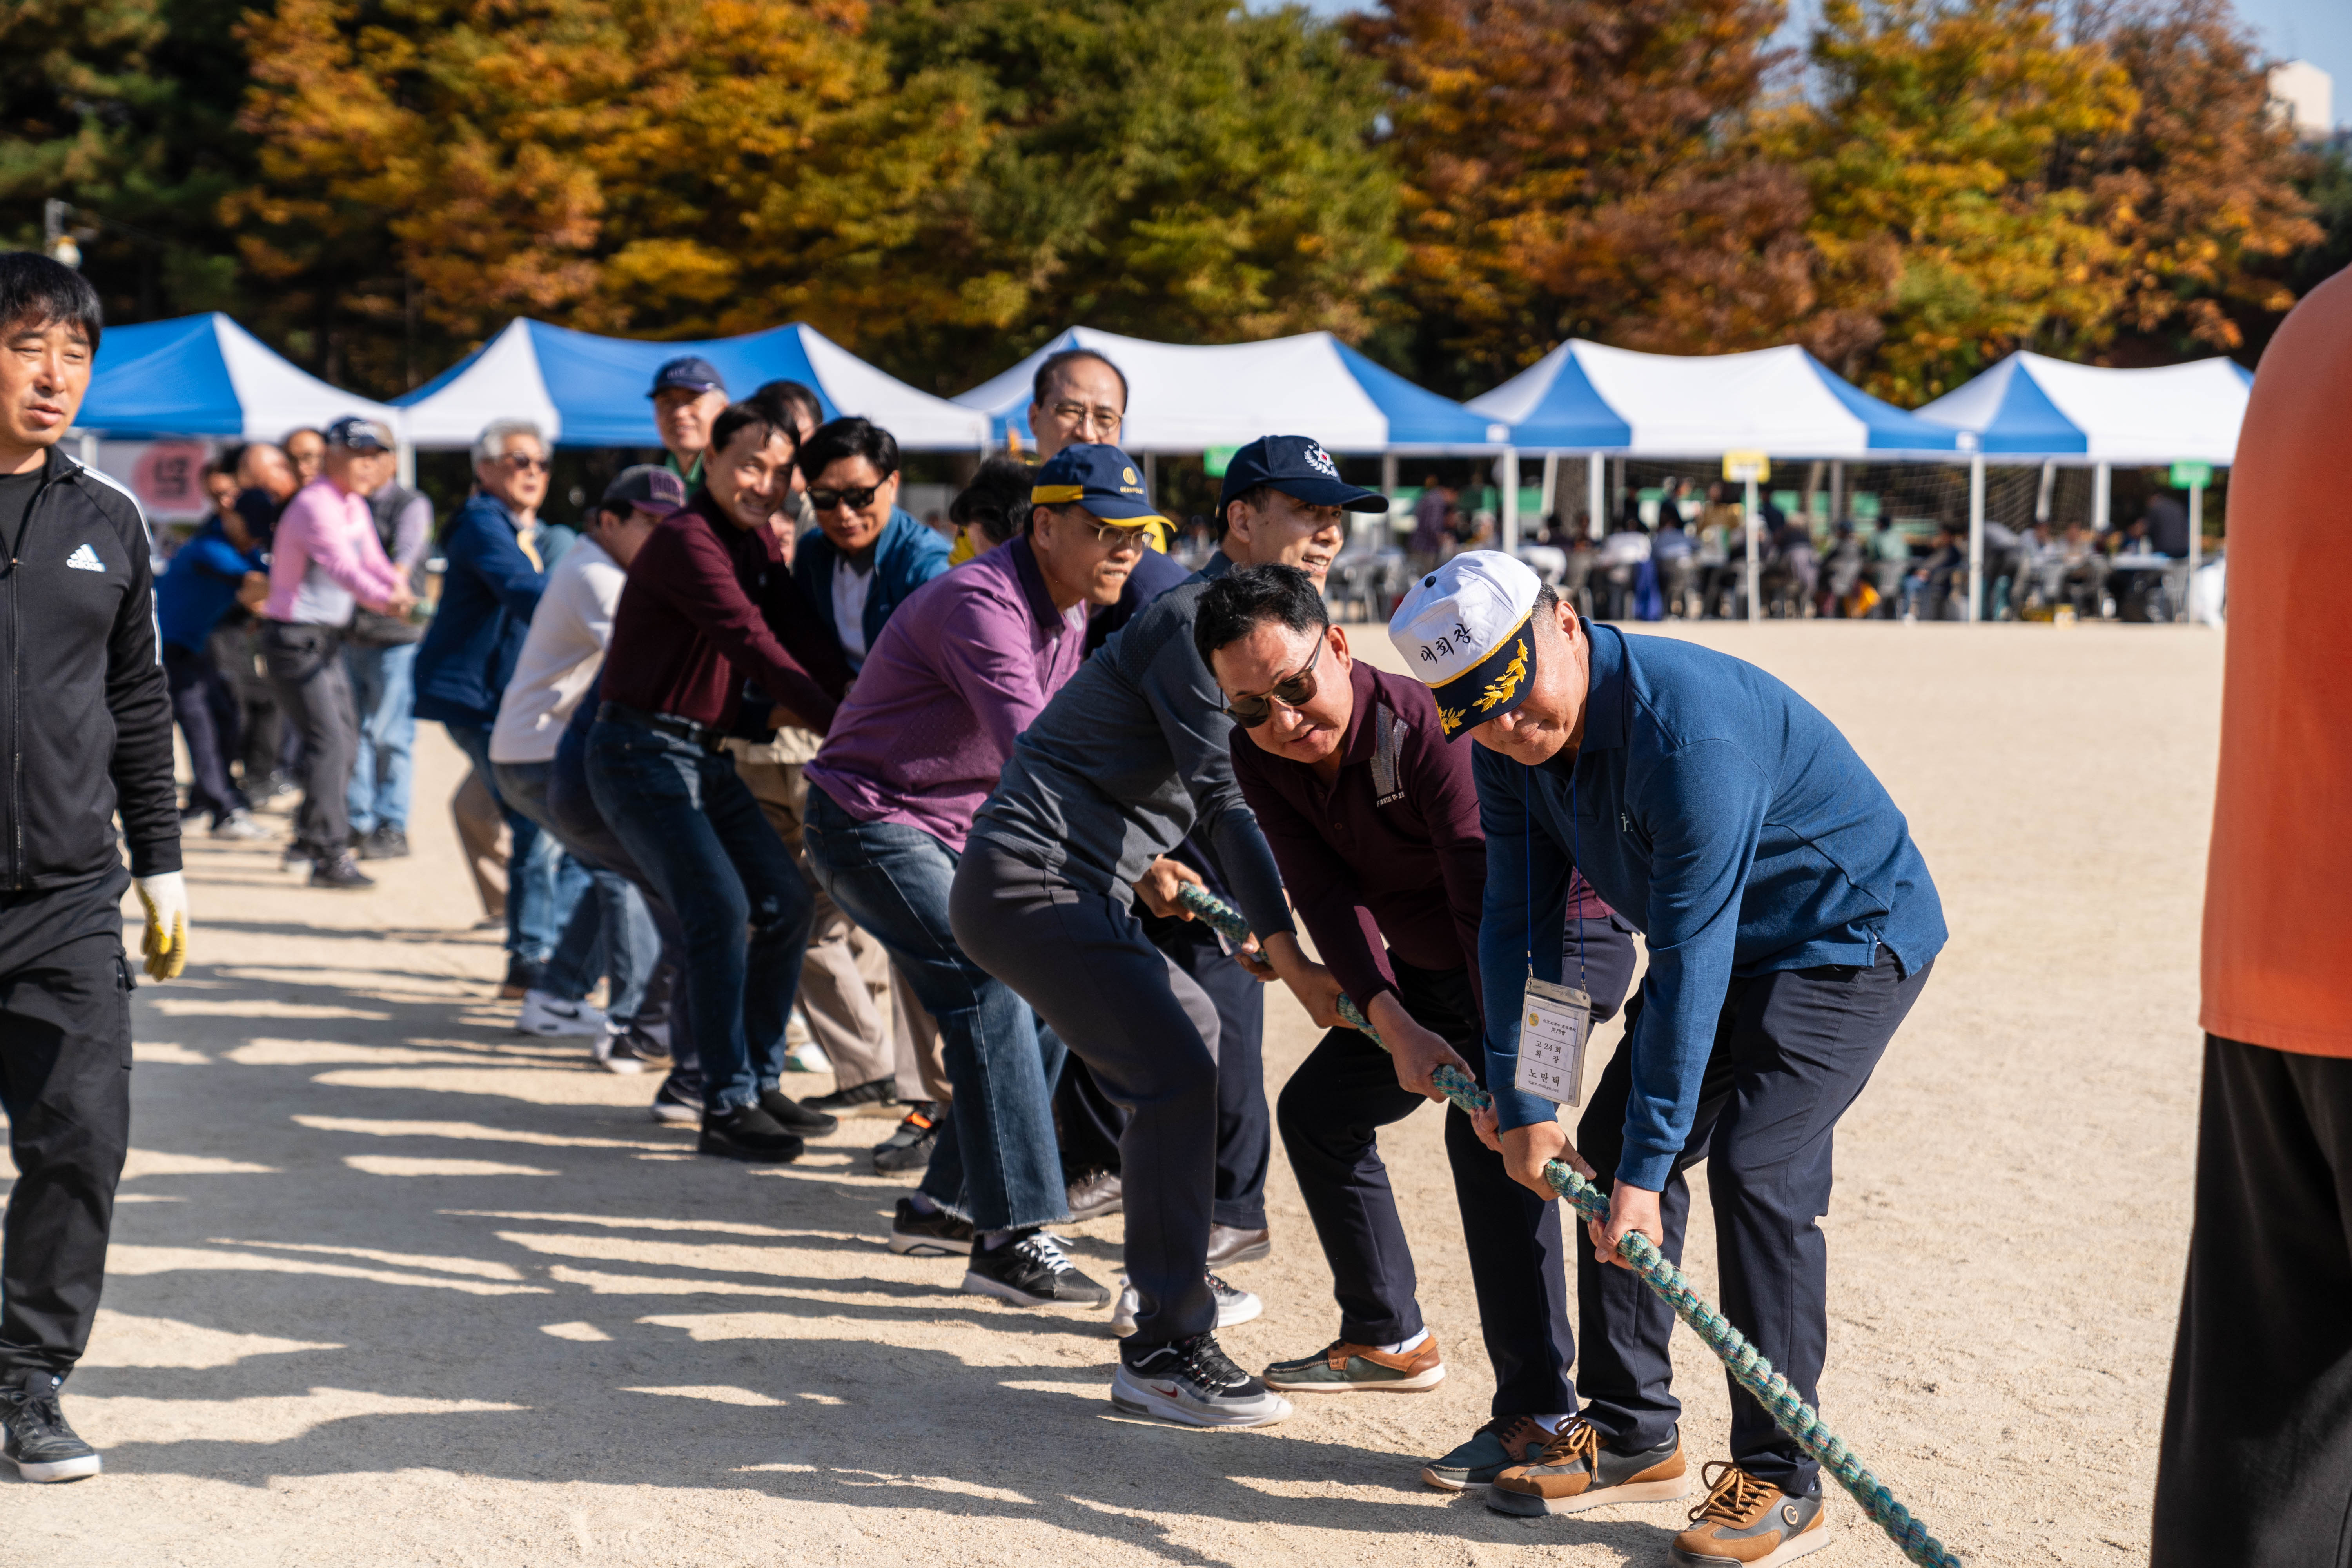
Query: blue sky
x=2319, y=31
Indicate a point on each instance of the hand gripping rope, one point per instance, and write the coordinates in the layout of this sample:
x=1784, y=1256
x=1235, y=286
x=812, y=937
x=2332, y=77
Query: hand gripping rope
x=1747, y=1365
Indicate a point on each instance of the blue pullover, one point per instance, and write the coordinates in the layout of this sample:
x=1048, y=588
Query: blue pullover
x=1731, y=823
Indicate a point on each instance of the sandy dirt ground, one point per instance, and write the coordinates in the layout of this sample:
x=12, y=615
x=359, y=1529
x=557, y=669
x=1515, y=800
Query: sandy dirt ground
x=391, y=1284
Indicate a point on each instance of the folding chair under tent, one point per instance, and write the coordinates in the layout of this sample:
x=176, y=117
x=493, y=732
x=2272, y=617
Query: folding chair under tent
x=585, y=390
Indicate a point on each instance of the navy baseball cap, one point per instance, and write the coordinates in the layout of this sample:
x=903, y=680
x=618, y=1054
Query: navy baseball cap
x=1101, y=479
x=690, y=372
x=1298, y=468
x=648, y=485
x=359, y=435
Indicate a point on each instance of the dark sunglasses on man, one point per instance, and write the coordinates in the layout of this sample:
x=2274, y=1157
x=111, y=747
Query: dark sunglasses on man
x=851, y=501
x=522, y=463
x=1293, y=692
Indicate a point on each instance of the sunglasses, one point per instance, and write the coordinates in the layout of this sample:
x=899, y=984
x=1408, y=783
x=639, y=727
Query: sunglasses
x=855, y=500
x=522, y=464
x=1295, y=693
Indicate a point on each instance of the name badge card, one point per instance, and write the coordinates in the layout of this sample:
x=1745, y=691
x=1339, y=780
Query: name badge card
x=1554, y=1022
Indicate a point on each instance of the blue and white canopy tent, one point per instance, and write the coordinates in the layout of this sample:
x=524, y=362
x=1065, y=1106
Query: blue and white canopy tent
x=589, y=391
x=1193, y=397
x=205, y=375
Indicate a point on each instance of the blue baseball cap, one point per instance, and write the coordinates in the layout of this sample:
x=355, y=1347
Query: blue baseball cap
x=1298, y=468
x=358, y=434
x=1101, y=479
x=690, y=372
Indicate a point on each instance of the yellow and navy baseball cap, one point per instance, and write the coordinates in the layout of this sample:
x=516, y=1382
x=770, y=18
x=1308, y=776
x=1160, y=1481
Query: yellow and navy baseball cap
x=1099, y=478
x=1467, y=632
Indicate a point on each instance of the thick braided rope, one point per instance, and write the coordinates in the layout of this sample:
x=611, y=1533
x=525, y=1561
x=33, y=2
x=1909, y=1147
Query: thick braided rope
x=1746, y=1363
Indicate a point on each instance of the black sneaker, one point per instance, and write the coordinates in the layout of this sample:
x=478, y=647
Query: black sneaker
x=674, y=1106
x=633, y=1046
x=1191, y=1382
x=40, y=1444
x=910, y=1147
x=340, y=869
x=747, y=1132
x=876, y=1098
x=1032, y=1270
x=1097, y=1193
x=914, y=1233
x=386, y=843
x=790, y=1114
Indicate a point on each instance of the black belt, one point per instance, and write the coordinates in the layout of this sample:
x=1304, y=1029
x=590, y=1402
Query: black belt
x=707, y=736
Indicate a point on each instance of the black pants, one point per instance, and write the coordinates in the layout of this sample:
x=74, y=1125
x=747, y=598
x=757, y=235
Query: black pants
x=1091, y=1123
x=1792, y=1049
x=64, y=1081
x=305, y=669
x=2255, y=1469
x=1145, y=1028
x=1330, y=1113
x=212, y=721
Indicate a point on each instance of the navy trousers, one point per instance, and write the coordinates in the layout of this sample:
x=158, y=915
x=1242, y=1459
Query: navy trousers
x=1792, y=1049
x=1330, y=1113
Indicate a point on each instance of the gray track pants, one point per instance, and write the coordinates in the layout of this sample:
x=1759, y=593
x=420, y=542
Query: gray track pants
x=1150, y=1034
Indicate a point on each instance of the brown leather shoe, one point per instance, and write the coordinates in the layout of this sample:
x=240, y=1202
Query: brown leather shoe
x=1342, y=1368
x=1576, y=1471
x=1229, y=1245
x=1746, y=1523
x=1097, y=1193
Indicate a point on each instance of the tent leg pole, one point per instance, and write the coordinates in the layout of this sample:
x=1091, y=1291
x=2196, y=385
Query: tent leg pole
x=1550, y=485
x=2100, y=475
x=2195, y=549
x=1596, y=494
x=1748, y=522
x=1837, y=490
x=1976, y=536
x=1389, y=475
x=1510, y=465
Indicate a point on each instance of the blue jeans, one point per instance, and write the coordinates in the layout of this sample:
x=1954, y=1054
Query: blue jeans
x=383, y=687
x=544, y=883
x=996, y=1163
x=611, y=933
x=698, y=836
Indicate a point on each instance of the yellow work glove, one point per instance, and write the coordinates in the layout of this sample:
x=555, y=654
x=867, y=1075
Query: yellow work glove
x=165, y=896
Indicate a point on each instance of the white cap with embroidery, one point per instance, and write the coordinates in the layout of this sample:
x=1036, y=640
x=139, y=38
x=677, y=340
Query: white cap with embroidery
x=1465, y=634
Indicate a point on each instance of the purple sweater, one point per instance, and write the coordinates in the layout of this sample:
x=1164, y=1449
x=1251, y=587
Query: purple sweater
x=958, y=671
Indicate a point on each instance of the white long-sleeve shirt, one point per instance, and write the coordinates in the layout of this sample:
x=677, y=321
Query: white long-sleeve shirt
x=561, y=654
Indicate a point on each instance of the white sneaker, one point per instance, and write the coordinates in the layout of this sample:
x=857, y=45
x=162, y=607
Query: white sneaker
x=807, y=1057
x=553, y=1018
x=1192, y=1383
x=239, y=824
x=1232, y=1306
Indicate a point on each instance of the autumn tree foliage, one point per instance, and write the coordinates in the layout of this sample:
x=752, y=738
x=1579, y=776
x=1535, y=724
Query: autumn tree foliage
x=1180, y=169
x=1588, y=168
x=617, y=166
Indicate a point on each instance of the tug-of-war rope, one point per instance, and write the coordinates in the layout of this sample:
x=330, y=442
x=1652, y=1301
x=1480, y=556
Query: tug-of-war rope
x=1748, y=1366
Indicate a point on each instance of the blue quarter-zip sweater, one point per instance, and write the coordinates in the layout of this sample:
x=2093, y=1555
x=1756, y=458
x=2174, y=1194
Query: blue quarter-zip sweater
x=1731, y=823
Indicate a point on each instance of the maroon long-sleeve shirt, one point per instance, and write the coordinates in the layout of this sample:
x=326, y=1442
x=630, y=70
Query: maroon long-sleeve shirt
x=1390, y=848
x=705, y=609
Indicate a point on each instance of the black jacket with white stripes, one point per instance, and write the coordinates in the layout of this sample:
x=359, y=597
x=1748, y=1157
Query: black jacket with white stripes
x=85, y=718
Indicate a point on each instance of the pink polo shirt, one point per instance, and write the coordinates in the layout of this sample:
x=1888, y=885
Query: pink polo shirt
x=323, y=556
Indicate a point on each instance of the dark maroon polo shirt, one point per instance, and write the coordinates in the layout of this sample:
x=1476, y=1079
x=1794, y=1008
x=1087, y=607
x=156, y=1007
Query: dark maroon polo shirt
x=1391, y=849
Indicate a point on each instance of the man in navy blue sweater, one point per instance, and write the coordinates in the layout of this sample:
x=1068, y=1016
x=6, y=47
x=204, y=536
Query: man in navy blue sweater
x=1790, y=924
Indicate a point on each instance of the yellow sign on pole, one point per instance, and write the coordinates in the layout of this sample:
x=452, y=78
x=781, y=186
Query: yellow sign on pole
x=1751, y=468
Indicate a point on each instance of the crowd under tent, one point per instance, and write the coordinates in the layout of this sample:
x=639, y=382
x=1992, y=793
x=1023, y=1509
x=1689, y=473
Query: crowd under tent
x=585, y=390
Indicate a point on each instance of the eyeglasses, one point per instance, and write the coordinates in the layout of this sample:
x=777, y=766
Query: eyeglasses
x=853, y=500
x=522, y=464
x=1294, y=693
x=1087, y=417
x=1115, y=535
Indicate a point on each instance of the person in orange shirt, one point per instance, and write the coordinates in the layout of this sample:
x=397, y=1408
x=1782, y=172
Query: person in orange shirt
x=2255, y=1466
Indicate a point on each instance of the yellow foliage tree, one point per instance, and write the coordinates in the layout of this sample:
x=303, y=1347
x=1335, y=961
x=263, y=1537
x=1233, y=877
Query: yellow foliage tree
x=679, y=169
x=1950, y=136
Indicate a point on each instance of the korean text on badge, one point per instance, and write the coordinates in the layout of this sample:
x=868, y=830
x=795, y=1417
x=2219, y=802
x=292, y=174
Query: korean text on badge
x=1554, y=1023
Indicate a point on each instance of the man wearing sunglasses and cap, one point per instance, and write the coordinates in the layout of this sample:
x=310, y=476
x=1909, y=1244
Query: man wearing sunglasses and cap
x=1113, y=774
x=1792, y=924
